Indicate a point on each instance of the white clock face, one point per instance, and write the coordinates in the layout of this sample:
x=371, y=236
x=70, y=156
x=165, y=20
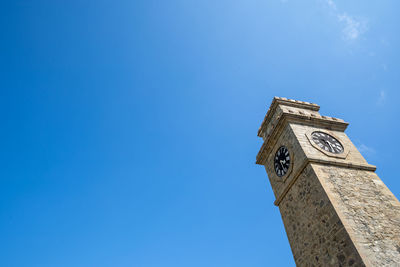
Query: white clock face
x=327, y=142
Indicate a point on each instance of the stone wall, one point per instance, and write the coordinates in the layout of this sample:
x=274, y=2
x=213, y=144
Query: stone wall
x=353, y=156
x=279, y=184
x=336, y=210
x=315, y=232
x=370, y=212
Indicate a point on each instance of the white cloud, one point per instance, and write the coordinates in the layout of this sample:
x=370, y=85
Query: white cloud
x=353, y=27
x=331, y=4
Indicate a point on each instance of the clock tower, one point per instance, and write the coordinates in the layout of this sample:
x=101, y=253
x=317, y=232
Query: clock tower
x=335, y=209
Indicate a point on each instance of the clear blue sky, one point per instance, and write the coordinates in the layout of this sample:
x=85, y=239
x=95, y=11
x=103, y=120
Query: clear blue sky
x=128, y=128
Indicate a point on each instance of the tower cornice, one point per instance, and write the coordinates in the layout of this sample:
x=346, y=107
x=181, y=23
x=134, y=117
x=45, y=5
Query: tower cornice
x=283, y=111
x=322, y=121
x=287, y=102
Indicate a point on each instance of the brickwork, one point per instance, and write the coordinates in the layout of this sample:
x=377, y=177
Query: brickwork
x=336, y=210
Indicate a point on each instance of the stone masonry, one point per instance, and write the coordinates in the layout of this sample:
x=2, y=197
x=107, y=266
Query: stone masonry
x=335, y=209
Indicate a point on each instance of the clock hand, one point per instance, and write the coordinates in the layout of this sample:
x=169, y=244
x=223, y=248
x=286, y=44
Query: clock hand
x=282, y=162
x=329, y=144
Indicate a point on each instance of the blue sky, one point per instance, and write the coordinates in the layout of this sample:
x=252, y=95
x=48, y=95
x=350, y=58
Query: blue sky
x=129, y=127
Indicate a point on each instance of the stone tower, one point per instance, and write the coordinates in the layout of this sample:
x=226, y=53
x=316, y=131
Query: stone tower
x=335, y=209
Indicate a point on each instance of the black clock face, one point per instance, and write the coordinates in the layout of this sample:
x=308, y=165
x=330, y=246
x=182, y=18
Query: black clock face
x=282, y=161
x=327, y=142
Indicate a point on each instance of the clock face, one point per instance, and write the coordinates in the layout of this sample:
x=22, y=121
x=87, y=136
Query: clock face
x=282, y=161
x=327, y=142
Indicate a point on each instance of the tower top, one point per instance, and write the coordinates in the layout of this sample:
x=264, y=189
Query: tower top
x=283, y=111
x=294, y=103
x=296, y=110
